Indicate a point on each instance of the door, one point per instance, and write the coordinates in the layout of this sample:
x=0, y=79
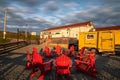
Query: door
x=107, y=40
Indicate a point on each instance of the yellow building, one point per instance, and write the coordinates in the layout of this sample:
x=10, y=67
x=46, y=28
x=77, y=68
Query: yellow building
x=105, y=39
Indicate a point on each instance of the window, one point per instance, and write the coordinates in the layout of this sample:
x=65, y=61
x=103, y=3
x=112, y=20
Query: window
x=89, y=36
x=57, y=33
x=76, y=34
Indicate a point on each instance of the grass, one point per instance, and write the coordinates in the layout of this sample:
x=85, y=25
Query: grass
x=4, y=40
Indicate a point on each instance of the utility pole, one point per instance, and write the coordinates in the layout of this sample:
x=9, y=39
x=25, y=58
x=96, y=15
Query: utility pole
x=18, y=33
x=5, y=18
x=68, y=31
x=26, y=35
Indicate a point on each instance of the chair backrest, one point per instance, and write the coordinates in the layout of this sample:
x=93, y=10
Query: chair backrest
x=72, y=48
x=47, y=51
x=58, y=50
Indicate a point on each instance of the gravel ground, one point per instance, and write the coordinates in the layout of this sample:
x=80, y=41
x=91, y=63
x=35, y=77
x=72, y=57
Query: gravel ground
x=12, y=67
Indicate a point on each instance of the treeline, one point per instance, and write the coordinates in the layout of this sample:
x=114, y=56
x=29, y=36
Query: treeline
x=19, y=35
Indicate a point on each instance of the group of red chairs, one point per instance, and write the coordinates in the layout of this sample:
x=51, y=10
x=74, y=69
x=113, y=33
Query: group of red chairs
x=58, y=50
x=86, y=62
x=35, y=63
x=62, y=63
x=46, y=52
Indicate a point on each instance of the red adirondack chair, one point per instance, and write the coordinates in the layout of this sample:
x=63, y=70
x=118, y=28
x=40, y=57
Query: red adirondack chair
x=87, y=65
x=92, y=60
x=63, y=65
x=44, y=68
x=47, y=51
x=37, y=64
x=82, y=54
x=29, y=61
x=29, y=58
x=33, y=59
x=58, y=50
x=72, y=51
x=36, y=60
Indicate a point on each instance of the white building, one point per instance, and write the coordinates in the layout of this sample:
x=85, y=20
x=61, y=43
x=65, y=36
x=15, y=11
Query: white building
x=33, y=33
x=67, y=30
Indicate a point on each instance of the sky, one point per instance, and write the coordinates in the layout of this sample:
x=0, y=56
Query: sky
x=44, y=14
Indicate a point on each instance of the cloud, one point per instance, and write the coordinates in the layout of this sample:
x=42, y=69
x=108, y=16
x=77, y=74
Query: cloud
x=101, y=15
x=42, y=14
x=71, y=5
x=5, y=3
x=50, y=6
x=15, y=20
x=30, y=3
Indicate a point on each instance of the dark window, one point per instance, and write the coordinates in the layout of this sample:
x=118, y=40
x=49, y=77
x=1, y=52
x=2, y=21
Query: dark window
x=57, y=33
x=76, y=34
x=89, y=36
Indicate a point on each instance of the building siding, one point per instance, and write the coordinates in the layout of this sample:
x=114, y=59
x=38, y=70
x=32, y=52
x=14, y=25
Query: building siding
x=70, y=31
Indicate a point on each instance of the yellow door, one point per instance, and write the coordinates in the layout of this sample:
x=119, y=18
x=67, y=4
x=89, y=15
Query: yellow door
x=106, y=41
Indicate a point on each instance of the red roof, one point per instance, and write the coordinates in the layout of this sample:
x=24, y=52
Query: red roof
x=68, y=26
x=108, y=28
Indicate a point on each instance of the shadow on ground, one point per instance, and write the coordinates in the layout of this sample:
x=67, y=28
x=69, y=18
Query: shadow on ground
x=12, y=68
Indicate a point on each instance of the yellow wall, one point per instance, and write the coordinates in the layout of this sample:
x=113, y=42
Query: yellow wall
x=88, y=39
x=103, y=40
x=106, y=41
x=117, y=37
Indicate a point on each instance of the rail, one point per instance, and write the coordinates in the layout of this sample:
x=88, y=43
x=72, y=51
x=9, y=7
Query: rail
x=7, y=47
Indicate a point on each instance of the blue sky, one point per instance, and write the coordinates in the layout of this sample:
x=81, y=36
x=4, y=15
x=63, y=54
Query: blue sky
x=43, y=14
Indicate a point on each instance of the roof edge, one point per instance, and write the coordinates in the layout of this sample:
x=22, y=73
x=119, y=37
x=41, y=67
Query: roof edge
x=67, y=26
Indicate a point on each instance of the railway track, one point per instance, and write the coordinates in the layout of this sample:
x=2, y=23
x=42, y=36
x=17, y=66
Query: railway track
x=7, y=47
